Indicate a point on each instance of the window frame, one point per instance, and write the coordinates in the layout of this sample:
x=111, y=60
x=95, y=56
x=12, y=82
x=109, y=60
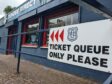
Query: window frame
x=25, y=27
x=58, y=13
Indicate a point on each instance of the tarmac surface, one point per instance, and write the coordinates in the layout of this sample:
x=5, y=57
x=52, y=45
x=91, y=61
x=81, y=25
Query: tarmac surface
x=31, y=73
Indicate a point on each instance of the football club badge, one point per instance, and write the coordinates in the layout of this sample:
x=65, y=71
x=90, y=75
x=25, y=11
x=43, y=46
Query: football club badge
x=72, y=34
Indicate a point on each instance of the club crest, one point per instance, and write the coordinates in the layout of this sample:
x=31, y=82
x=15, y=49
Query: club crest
x=72, y=34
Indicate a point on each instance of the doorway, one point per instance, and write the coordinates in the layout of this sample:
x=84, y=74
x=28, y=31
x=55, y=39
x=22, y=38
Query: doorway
x=12, y=40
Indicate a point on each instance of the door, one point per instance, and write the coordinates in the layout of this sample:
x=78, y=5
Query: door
x=11, y=45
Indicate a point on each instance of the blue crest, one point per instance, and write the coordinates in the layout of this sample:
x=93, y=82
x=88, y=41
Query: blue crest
x=72, y=34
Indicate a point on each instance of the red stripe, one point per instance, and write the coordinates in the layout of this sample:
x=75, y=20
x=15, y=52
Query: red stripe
x=45, y=33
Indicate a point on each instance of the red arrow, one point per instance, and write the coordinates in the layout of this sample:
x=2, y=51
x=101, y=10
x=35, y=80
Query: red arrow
x=52, y=36
x=62, y=35
x=56, y=35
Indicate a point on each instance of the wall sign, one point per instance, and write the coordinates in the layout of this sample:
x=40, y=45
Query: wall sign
x=87, y=45
x=22, y=8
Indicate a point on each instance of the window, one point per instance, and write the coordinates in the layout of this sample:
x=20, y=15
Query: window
x=63, y=21
x=63, y=16
x=31, y=39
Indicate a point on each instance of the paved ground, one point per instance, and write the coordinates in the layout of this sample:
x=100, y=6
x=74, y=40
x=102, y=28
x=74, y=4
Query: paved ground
x=34, y=74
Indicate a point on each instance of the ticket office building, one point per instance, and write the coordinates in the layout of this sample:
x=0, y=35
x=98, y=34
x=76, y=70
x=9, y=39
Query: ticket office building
x=34, y=46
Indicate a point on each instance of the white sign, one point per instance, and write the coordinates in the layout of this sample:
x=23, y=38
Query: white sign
x=22, y=8
x=87, y=45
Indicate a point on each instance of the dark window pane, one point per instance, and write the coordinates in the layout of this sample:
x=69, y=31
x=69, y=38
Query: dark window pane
x=64, y=20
